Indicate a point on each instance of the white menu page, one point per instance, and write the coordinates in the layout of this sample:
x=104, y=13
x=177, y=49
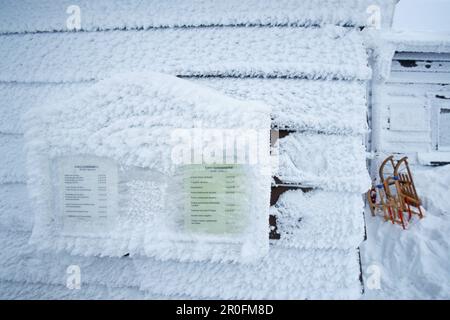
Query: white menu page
x=88, y=192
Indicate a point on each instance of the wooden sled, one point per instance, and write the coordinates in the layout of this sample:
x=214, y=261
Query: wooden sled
x=385, y=203
x=395, y=202
x=396, y=195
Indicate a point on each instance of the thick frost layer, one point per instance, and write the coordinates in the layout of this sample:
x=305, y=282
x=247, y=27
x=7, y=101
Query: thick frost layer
x=325, y=106
x=129, y=119
x=314, y=53
x=320, y=219
x=12, y=160
x=284, y=273
x=15, y=210
x=14, y=167
x=38, y=291
x=322, y=225
x=18, y=98
x=331, y=162
x=46, y=15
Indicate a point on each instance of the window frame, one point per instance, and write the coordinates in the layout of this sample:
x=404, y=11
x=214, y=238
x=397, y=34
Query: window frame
x=437, y=104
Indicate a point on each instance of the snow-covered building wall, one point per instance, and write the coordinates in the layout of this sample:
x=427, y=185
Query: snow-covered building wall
x=411, y=97
x=306, y=59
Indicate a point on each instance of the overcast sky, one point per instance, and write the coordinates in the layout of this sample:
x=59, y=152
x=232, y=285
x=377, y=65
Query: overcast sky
x=423, y=15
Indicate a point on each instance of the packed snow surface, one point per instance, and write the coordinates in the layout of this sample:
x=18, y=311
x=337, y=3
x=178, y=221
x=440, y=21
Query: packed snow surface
x=413, y=264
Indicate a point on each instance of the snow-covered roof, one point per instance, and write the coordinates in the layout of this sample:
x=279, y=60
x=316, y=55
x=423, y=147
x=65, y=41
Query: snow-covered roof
x=418, y=41
x=19, y=16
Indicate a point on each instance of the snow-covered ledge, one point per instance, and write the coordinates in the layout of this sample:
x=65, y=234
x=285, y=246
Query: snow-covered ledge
x=428, y=158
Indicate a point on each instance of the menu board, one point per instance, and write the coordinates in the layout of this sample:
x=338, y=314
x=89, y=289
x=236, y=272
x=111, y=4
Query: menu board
x=88, y=190
x=215, y=198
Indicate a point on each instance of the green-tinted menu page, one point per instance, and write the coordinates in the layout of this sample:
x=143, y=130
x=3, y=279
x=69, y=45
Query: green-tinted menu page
x=215, y=198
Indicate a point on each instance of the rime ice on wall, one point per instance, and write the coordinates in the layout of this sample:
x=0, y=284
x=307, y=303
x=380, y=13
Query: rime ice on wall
x=130, y=119
x=316, y=53
x=313, y=78
x=330, y=161
x=318, y=219
x=333, y=107
x=26, y=16
x=286, y=273
x=411, y=72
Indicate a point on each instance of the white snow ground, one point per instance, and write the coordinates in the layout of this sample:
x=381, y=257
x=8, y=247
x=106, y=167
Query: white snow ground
x=413, y=264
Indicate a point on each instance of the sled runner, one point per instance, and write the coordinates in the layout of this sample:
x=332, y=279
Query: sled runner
x=387, y=168
x=395, y=201
x=385, y=203
x=407, y=189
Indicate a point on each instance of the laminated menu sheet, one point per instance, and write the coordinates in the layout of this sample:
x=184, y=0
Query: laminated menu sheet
x=86, y=190
x=215, y=198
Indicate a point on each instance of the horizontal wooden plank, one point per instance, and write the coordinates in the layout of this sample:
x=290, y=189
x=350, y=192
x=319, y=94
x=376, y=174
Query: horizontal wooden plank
x=50, y=15
x=296, y=103
x=312, y=53
x=434, y=158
